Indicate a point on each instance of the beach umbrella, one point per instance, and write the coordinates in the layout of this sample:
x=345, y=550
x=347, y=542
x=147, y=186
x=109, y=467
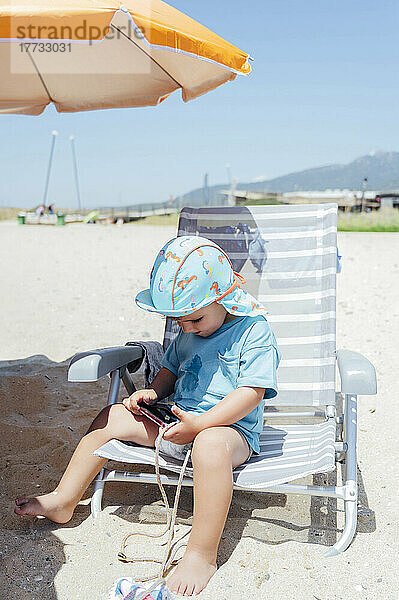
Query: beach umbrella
x=94, y=54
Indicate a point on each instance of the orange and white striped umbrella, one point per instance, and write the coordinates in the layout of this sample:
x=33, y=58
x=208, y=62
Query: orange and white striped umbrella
x=93, y=54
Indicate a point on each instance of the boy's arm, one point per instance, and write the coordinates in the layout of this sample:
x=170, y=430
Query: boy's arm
x=235, y=406
x=231, y=409
x=163, y=383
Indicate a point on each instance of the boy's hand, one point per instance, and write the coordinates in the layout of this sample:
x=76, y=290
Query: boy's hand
x=185, y=431
x=140, y=396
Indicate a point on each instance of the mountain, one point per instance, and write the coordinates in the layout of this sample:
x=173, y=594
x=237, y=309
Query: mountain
x=380, y=168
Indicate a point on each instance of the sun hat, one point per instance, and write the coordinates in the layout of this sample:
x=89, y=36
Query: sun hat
x=191, y=272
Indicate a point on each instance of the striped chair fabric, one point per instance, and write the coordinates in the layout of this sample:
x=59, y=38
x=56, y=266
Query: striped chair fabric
x=288, y=256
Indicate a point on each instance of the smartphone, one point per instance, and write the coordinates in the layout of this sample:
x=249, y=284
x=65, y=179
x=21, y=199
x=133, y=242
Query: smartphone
x=161, y=414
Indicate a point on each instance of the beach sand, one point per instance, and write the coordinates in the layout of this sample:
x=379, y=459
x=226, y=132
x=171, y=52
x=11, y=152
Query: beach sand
x=71, y=289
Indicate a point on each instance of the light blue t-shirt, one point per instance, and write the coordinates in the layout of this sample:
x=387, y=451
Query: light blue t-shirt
x=242, y=352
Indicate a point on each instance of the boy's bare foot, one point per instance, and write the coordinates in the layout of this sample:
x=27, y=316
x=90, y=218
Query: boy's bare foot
x=191, y=575
x=49, y=505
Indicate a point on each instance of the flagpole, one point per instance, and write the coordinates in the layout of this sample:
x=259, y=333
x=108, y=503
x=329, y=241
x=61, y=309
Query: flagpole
x=54, y=133
x=75, y=168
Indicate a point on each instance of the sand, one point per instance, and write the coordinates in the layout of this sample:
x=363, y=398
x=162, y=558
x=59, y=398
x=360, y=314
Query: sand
x=71, y=289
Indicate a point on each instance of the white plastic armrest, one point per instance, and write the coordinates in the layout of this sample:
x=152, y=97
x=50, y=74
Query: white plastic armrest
x=357, y=374
x=94, y=364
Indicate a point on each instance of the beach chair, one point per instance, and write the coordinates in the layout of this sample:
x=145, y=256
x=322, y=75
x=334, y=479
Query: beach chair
x=288, y=256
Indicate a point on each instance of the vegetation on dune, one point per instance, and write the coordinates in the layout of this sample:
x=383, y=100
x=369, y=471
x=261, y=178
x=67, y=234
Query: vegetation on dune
x=169, y=220
x=258, y=201
x=384, y=219
x=9, y=214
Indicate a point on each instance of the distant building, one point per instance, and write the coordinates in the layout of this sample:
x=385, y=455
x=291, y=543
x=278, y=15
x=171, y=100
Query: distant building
x=346, y=199
x=389, y=199
x=240, y=196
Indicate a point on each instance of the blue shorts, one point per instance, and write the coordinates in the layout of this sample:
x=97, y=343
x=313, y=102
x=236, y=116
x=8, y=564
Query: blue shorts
x=246, y=441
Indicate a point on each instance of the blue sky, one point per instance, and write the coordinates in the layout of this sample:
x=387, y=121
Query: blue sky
x=324, y=89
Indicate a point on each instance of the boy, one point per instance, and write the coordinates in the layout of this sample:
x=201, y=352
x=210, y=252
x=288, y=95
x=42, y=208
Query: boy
x=220, y=366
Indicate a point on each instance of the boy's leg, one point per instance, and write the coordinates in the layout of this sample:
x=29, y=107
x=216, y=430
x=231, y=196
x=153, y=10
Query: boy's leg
x=216, y=451
x=112, y=422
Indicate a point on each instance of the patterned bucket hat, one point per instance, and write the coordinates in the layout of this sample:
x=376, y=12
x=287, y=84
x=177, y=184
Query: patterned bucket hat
x=191, y=272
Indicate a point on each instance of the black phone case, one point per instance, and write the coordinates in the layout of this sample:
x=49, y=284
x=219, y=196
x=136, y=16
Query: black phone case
x=159, y=413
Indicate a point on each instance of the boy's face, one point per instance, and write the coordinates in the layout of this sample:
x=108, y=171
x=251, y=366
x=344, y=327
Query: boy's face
x=205, y=321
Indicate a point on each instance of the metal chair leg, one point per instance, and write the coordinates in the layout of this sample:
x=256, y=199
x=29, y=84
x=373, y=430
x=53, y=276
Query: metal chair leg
x=350, y=475
x=97, y=496
x=349, y=530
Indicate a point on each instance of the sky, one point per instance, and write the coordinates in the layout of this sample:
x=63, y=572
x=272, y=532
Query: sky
x=323, y=90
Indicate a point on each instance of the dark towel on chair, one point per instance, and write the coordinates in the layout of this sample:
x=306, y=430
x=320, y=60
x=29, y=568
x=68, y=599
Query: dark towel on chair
x=153, y=354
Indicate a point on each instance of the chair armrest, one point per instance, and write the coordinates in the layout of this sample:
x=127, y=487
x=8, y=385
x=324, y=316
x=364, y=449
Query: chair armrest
x=94, y=364
x=357, y=373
